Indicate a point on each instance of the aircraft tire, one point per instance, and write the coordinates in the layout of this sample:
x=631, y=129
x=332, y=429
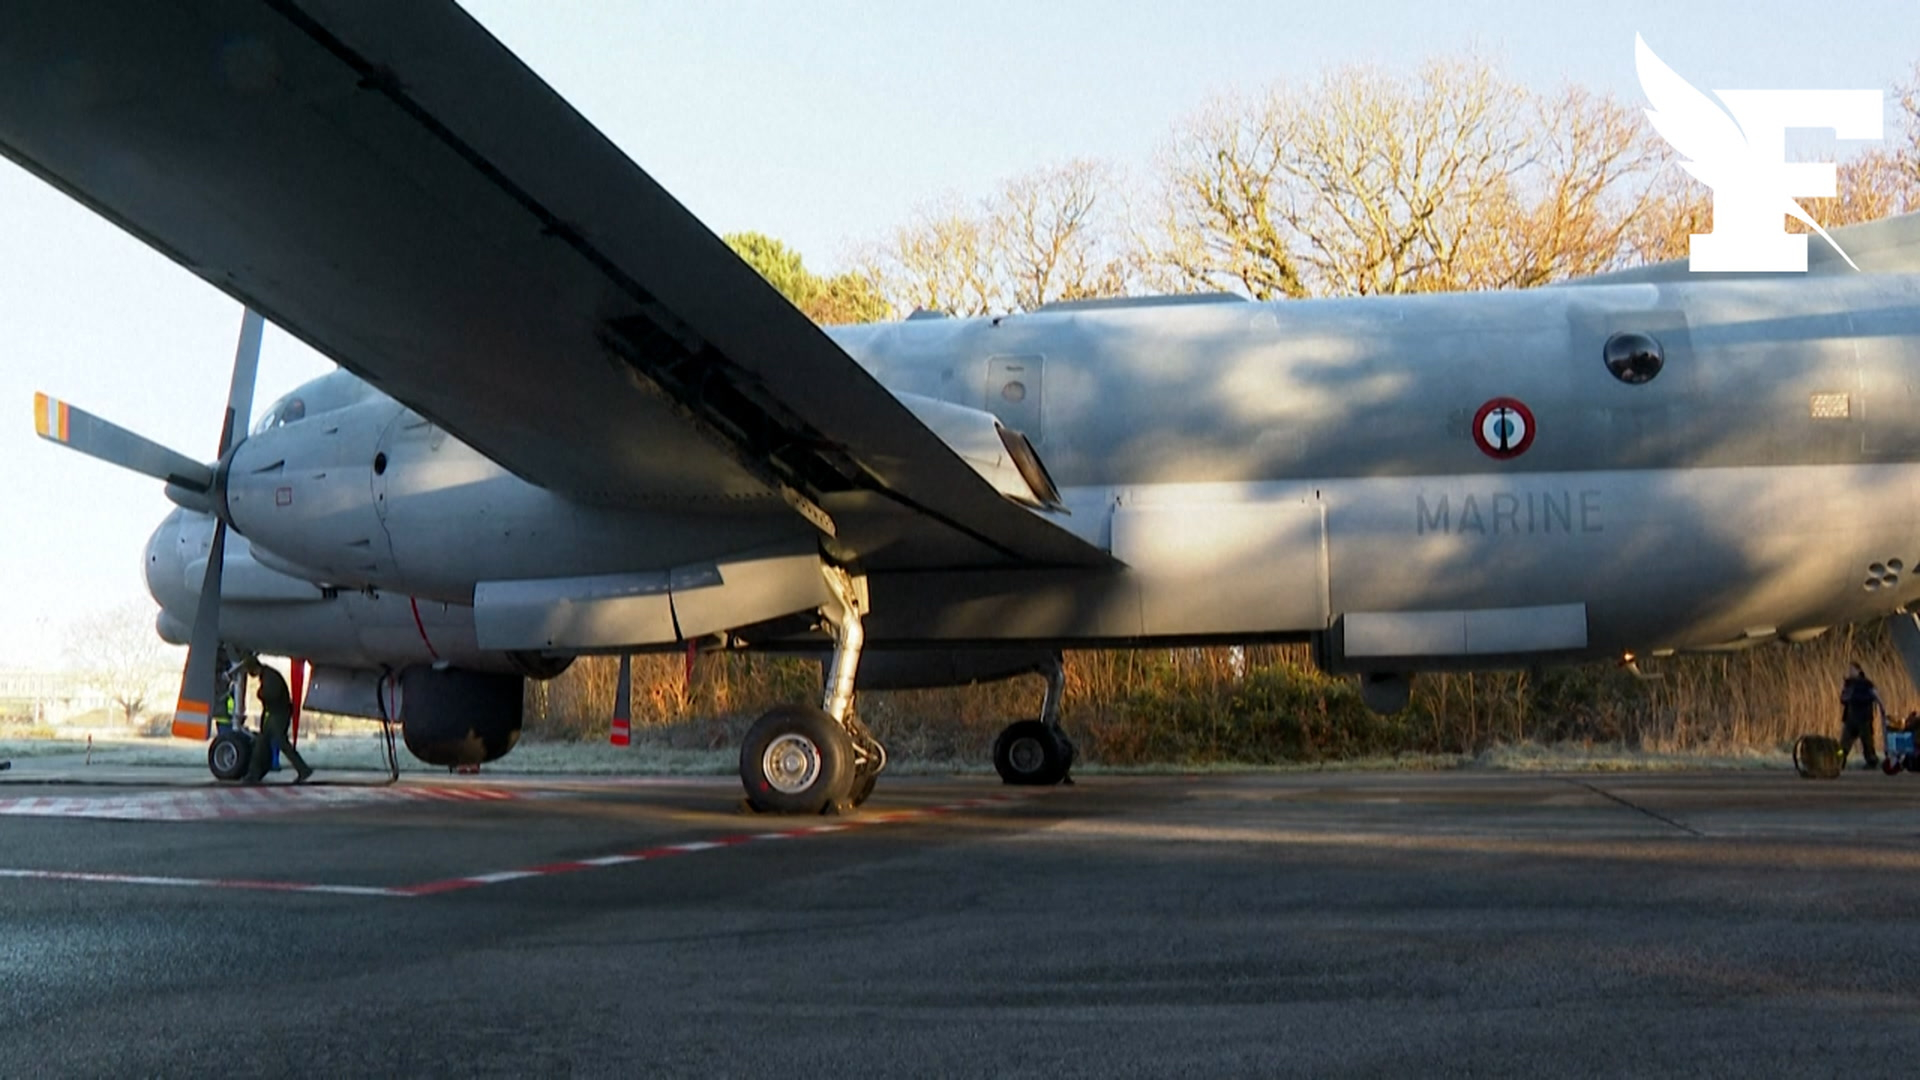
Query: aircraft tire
x=796, y=760
x=229, y=754
x=862, y=789
x=1029, y=754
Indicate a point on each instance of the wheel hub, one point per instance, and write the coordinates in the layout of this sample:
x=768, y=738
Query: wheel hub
x=1027, y=755
x=791, y=763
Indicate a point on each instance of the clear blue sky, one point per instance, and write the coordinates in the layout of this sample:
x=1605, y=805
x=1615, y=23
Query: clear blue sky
x=822, y=123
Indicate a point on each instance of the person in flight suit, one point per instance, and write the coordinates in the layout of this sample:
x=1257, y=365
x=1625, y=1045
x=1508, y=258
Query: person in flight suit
x=1858, y=702
x=276, y=713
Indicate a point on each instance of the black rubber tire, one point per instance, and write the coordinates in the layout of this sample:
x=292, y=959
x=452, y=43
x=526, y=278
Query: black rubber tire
x=811, y=733
x=229, y=754
x=1028, y=754
x=862, y=789
x=1817, y=757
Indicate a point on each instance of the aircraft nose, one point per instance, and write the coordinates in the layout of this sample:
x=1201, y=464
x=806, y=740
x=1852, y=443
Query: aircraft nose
x=167, y=558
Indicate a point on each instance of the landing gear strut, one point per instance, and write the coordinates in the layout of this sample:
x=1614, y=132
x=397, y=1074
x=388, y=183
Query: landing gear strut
x=1037, y=753
x=801, y=760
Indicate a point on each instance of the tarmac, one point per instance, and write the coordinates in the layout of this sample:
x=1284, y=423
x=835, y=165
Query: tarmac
x=1320, y=924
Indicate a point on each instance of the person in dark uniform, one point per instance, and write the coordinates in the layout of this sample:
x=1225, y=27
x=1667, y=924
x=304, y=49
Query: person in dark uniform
x=1858, y=701
x=276, y=713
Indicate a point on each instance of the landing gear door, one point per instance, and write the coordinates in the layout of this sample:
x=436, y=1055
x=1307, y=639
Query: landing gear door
x=1224, y=568
x=1014, y=393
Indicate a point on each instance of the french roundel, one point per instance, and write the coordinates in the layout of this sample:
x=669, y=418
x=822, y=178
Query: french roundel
x=1503, y=428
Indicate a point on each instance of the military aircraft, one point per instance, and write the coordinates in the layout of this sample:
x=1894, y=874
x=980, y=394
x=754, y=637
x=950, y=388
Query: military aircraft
x=571, y=421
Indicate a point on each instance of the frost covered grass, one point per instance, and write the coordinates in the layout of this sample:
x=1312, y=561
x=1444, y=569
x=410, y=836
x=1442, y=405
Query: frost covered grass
x=658, y=752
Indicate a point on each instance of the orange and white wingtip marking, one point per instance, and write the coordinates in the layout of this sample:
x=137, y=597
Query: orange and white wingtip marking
x=50, y=417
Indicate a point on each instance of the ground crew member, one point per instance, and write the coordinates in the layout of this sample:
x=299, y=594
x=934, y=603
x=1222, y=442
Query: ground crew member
x=276, y=713
x=1858, y=700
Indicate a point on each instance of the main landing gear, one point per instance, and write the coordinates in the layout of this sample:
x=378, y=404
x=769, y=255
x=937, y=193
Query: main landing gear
x=801, y=760
x=797, y=759
x=1037, y=753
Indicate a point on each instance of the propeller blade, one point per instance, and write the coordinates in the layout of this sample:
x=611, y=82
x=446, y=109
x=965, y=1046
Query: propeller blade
x=200, y=680
x=623, y=704
x=77, y=429
x=246, y=365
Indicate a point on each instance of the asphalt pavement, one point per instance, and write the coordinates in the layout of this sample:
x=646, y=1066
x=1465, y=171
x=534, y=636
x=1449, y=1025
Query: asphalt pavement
x=1425, y=924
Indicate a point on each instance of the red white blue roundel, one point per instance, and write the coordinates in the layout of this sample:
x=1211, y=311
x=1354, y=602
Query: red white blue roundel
x=1503, y=428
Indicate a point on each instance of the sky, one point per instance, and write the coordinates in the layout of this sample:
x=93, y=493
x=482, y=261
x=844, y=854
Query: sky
x=824, y=124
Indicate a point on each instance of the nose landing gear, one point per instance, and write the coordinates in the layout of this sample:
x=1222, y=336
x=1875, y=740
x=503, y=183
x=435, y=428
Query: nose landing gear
x=229, y=754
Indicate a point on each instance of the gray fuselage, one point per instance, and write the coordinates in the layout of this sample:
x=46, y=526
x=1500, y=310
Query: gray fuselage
x=1276, y=471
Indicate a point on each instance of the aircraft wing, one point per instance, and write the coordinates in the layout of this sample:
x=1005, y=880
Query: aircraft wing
x=390, y=184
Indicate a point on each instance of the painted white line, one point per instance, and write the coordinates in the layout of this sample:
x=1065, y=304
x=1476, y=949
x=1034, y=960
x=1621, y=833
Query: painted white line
x=351, y=890
x=91, y=878
x=457, y=884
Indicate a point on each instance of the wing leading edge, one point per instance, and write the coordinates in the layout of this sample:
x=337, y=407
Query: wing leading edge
x=393, y=186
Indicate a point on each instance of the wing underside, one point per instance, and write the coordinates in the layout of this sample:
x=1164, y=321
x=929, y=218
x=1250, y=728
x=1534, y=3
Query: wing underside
x=390, y=184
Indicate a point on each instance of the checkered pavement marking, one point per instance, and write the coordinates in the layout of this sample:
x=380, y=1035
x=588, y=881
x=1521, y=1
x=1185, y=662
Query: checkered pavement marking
x=212, y=803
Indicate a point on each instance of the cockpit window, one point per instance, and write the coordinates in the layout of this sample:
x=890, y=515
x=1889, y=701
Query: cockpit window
x=317, y=397
x=1634, y=358
x=284, y=412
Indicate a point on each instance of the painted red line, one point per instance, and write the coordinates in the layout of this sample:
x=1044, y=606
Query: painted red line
x=414, y=602
x=559, y=868
x=432, y=888
x=269, y=886
x=691, y=847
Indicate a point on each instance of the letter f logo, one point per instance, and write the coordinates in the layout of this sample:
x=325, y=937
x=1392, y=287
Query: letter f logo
x=1743, y=158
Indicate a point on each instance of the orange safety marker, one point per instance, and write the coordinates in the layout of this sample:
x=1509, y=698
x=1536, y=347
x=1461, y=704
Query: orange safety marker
x=49, y=417
x=190, y=719
x=623, y=704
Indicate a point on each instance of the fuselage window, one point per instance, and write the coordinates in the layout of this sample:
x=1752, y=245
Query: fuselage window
x=1634, y=358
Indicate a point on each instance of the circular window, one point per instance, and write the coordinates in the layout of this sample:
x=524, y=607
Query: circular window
x=1014, y=391
x=380, y=464
x=1634, y=358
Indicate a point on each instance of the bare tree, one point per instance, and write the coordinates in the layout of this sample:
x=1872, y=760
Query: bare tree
x=1869, y=186
x=1051, y=238
x=1225, y=199
x=1369, y=183
x=1677, y=207
x=1908, y=98
x=122, y=656
x=945, y=259
x=1569, y=210
x=1392, y=179
x=1045, y=236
